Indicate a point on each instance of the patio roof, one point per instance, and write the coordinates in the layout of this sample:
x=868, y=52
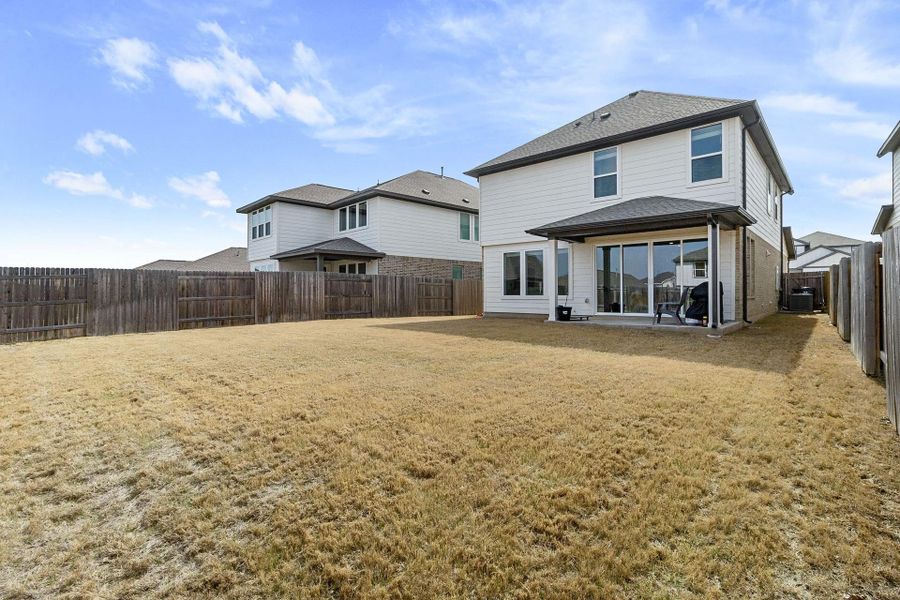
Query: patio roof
x=651, y=213
x=335, y=249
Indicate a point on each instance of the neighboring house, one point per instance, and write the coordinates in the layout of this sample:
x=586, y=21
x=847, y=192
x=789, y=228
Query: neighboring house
x=229, y=259
x=819, y=250
x=620, y=201
x=420, y=223
x=889, y=215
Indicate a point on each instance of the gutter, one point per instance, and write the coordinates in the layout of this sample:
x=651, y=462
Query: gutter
x=744, y=298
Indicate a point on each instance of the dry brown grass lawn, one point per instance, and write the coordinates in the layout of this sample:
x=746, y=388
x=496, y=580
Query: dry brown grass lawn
x=426, y=458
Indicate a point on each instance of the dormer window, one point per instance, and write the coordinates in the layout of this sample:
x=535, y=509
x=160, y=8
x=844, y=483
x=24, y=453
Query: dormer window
x=606, y=173
x=354, y=216
x=261, y=223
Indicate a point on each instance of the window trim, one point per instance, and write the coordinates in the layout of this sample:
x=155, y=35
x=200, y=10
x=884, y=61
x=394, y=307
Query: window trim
x=569, y=265
x=705, y=267
x=618, y=173
x=723, y=153
x=523, y=274
x=251, y=228
x=345, y=210
x=474, y=228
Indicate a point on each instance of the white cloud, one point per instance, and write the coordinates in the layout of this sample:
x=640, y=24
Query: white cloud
x=867, y=191
x=307, y=61
x=233, y=222
x=230, y=84
x=94, y=184
x=818, y=104
x=129, y=59
x=96, y=142
x=868, y=129
x=204, y=187
x=853, y=63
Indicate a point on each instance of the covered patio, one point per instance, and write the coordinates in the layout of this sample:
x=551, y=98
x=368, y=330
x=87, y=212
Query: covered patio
x=629, y=258
x=331, y=256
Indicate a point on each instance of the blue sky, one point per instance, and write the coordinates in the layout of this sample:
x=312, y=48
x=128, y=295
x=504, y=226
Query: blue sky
x=132, y=130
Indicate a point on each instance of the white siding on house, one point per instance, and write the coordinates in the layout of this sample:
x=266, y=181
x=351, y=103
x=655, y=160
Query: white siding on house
x=297, y=226
x=422, y=231
x=520, y=199
x=370, y=235
x=895, y=217
x=767, y=226
x=262, y=248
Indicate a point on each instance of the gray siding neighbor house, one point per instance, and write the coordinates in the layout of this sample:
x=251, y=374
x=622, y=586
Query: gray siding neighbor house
x=420, y=223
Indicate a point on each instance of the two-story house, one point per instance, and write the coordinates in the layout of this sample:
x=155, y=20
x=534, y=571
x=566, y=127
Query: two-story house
x=889, y=215
x=420, y=223
x=819, y=250
x=631, y=204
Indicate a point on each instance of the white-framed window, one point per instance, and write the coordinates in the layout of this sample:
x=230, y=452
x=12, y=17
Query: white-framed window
x=267, y=267
x=770, y=196
x=707, y=155
x=469, y=227
x=523, y=273
x=354, y=216
x=261, y=223
x=563, y=275
x=700, y=269
x=606, y=173
x=353, y=268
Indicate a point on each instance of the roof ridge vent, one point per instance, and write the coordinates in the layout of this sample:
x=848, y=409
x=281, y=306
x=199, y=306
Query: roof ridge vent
x=604, y=115
x=633, y=94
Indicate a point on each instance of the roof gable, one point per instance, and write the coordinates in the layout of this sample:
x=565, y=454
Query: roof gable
x=823, y=238
x=891, y=143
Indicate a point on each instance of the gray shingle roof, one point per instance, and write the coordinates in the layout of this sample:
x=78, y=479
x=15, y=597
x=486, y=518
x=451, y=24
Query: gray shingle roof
x=311, y=194
x=636, y=111
x=649, y=212
x=343, y=246
x=229, y=259
x=822, y=238
x=442, y=190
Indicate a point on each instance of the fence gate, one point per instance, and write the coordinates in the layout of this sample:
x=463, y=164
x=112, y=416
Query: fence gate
x=348, y=296
x=39, y=304
x=213, y=299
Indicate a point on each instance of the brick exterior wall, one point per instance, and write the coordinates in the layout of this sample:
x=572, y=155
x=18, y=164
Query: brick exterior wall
x=762, y=298
x=427, y=267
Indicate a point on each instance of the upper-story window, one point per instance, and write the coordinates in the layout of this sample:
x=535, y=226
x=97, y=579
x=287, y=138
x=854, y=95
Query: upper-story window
x=468, y=227
x=770, y=196
x=606, y=173
x=261, y=223
x=353, y=216
x=706, y=153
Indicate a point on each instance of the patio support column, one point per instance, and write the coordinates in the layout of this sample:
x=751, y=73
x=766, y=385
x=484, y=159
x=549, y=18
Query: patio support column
x=715, y=318
x=552, y=276
x=320, y=263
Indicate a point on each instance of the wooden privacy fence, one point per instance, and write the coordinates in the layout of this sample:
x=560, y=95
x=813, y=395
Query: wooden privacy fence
x=50, y=303
x=844, y=300
x=865, y=306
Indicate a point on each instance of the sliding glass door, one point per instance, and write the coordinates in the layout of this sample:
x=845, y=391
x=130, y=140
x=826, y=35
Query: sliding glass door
x=622, y=281
x=634, y=278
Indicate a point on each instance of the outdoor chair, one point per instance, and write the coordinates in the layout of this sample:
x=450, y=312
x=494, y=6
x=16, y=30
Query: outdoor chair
x=673, y=308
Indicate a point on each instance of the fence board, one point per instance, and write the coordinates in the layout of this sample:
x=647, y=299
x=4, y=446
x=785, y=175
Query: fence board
x=41, y=303
x=468, y=297
x=864, y=327
x=891, y=282
x=833, y=283
x=844, y=301
x=216, y=299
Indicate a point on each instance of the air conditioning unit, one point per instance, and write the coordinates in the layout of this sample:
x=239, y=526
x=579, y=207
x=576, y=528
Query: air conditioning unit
x=802, y=302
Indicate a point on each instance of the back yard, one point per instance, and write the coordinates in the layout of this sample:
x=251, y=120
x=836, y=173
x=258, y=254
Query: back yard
x=447, y=458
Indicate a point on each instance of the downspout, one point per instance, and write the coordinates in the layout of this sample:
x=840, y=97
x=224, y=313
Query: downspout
x=744, y=227
x=780, y=249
